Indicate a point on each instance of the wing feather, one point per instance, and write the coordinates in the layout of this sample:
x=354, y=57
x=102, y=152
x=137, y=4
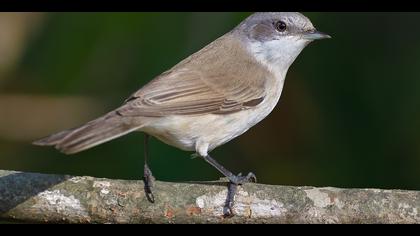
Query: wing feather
x=188, y=93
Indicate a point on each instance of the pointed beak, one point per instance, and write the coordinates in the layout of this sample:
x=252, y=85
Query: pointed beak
x=315, y=35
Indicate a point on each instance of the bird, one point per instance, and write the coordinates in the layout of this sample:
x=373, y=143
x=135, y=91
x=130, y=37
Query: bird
x=209, y=98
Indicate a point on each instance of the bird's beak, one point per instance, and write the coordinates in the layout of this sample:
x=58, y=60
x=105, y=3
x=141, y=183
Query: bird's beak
x=315, y=35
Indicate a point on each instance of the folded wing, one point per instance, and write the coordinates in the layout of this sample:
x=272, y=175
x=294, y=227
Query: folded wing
x=191, y=93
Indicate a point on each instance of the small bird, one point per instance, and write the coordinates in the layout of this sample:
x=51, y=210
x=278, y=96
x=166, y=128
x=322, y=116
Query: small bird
x=209, y=98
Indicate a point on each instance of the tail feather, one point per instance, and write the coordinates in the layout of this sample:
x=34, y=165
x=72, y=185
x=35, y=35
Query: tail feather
x=52, y=139
x=91, y=134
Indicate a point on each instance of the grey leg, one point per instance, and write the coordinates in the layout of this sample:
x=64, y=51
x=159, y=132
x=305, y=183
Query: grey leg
x=235, y=180
x=147, y=173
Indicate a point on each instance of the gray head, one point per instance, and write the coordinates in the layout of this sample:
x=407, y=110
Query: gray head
x=277, y=38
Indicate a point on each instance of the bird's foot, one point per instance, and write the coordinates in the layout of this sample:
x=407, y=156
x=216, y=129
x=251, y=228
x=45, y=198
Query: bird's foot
x=239, y=179
x=148, y=180
x=235, y=180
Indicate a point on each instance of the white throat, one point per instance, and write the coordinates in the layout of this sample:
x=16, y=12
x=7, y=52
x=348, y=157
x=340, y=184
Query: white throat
x=277, y=55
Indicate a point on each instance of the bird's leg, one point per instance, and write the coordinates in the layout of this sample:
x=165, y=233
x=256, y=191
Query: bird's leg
x=147, y=173
x=235, y=180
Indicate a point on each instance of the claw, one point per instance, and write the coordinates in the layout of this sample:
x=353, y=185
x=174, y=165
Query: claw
x=251, y=177
x=232, y=188
x=239, y=179
x=148, y=180
x=228, y=208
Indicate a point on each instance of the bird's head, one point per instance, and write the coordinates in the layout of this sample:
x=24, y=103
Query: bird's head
x=277, y=38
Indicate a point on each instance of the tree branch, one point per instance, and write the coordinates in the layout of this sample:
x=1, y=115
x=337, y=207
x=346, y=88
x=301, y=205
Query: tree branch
x=31, y=197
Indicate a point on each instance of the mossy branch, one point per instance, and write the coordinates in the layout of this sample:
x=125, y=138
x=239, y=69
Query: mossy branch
x=31, y=197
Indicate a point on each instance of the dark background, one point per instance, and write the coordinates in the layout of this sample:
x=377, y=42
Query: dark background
x=348, y=116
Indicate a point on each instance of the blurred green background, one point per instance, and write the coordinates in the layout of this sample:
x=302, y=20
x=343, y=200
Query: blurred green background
x=349, y=115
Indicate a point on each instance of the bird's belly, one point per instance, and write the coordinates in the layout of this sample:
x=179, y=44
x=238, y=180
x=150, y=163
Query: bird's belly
x=184, y=132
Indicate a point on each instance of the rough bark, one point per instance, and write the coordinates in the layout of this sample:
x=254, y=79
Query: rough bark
x=32, y=197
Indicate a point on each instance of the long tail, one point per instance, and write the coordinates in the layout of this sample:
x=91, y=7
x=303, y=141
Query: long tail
x=93, y=133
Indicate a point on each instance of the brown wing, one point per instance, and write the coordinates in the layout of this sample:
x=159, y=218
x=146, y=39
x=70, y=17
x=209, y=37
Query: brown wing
x=190, y=93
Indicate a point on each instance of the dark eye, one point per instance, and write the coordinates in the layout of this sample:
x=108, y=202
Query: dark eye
x=280, y=26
